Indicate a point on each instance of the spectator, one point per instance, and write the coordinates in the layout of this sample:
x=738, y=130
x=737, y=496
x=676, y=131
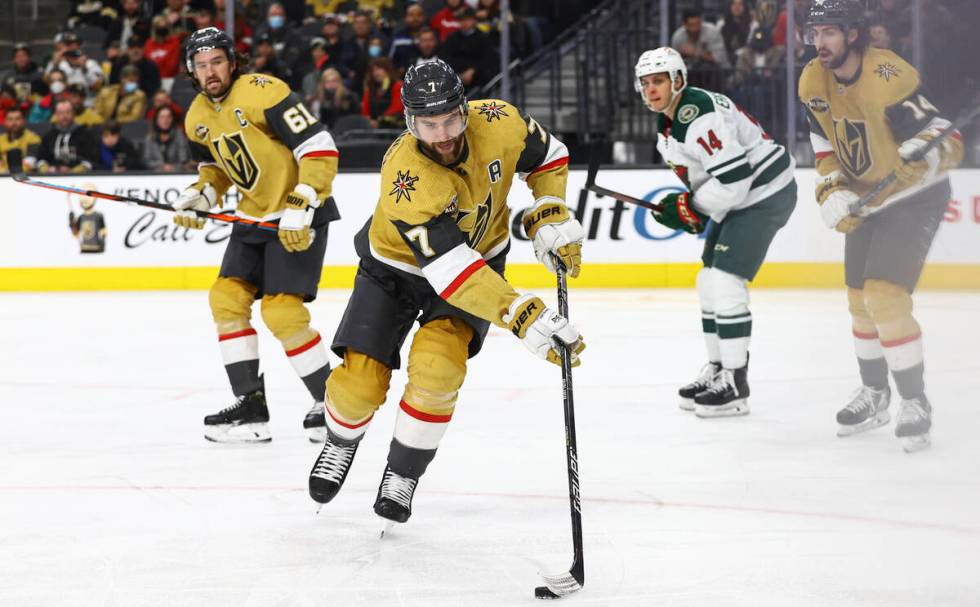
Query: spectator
x=381, y=9
x=369, y=44
x=58, y=52
x=428, y=46
x=341, y=53
x=287, y=43
x=266, y=61
x=17, y=136
x=319, y=58
x=320, y=8
x=880, y=36
x=26, y=76
x=78, y=67
x=116, y=153
x=382, y=100
x=404, y=49
x=163, y=49
x=162, y=99
x=469, y=52
x=131, y=21
x=68, y=147
x=801, y=9
x=737, y=25
x=149, y=74
x=333, y=99
x=446, y=21
x=93, y=13
x=179, y=18
x=166, y=148
x=123, y=102
x=243, y=31
x=8, y=99
x=43, y=108
x=699, y=43
x=84, y=115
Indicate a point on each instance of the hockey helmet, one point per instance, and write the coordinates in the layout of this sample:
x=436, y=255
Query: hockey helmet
x=433, y=89
x=845, y=14
x=206, y=39
x=659, y=61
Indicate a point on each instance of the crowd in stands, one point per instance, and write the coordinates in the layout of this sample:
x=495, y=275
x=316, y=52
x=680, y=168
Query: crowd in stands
x=112, y=93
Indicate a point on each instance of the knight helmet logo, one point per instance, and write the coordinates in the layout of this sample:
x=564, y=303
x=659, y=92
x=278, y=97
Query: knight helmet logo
x=237, y=160
x=853, y=147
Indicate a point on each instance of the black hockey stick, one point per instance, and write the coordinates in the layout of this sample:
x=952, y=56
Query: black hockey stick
x=222, y=217
x=590, y=185
x=917, y=156
x=561, y=584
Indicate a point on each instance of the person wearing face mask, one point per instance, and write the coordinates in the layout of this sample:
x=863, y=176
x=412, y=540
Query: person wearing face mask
x=365, y=36
x=43, y=108
x=16, y=136
x=123, y=102
x=288, y=45
x=469, y=51
x=149, y=73
x=163, y=49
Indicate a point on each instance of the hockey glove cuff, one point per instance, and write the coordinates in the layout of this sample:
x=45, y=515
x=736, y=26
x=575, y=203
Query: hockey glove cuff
x=835, y=211
x=554, y=231
x=679, y=213
x=191, y=200
x=294, y=226
x=543, y=331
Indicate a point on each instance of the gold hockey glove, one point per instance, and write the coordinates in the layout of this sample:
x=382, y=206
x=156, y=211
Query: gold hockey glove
x=540, y=329
x=190, y=200
x=553, y=231
x=294, y=226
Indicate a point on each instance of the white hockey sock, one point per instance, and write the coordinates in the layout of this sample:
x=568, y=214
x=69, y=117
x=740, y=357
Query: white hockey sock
x=349, y=430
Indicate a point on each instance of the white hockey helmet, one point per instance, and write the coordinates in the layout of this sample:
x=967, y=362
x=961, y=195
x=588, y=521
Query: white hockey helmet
x=659, y=61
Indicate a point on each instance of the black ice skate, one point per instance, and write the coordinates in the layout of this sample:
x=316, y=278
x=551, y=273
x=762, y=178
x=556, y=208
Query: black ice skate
x=867, y=410
x=726, y=397
x=702, y=383
x=394, y=501
x=246, y=421
x=914, y=422
x=315, y=423
x=331, y=467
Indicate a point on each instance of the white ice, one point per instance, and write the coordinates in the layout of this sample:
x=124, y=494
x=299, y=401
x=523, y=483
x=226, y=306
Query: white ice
x=110, y=496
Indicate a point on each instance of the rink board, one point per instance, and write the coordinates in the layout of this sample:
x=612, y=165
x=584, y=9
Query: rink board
x=625, y=247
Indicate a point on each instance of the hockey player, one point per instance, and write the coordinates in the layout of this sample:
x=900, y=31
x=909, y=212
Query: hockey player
x=434, y=251
x=868, y=114
x=743, y=181
x=251, y=131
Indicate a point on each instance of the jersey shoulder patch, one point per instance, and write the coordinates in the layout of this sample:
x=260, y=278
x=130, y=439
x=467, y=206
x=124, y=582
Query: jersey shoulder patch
x=695, y=104
x=892, y=79
x=414, y=189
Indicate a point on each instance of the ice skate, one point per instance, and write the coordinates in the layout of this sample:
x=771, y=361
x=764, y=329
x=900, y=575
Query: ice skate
x=246, y=421
x=867, y=410
x=914, y=423
x=702, y=383
x=394, y=501
x=726, y=397
x=331, y=467
x=315, y=423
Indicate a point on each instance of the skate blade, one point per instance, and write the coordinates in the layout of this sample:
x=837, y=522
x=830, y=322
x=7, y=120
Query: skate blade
x=732, y=409
x=875, y=422
x=242, y=433
x=316, y=435
x=686, y=404
x=911, y=444
x=386, y=527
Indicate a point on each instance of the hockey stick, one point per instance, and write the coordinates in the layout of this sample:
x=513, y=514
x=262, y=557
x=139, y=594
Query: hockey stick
x=916, y=156
x=590, y=185
x=561, y=584
x=222, y=217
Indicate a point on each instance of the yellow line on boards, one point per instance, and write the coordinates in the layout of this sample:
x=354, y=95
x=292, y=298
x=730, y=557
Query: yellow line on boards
x=597, y=275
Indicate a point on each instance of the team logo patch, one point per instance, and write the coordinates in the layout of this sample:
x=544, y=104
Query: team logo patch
x=853, y=148
x=818, y=104
x=404, y=186
x=474, y=223
x=259, y=81
x=201, y=131
x=886, y=71
x=453, y=207
x=492, y=109
x=238, y=161
x=687, y=113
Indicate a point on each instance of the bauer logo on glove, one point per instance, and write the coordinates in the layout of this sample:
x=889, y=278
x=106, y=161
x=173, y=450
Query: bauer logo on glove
x=541, y=329
x=553, y=231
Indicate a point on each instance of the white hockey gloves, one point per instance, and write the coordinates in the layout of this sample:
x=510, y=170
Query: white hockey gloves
x=294, y=227
x=540, y=329
x=836, y=211
x=918, y=171
x=191, y=200
x=553, y=230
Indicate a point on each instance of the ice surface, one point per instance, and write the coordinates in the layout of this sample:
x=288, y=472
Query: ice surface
x=109, y=495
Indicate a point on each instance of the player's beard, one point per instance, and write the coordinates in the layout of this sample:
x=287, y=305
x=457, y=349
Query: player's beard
x=836, y=63
x=443, y=153
x=220, y=93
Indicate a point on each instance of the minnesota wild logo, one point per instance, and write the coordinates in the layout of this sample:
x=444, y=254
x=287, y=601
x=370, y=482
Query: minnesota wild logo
x=237, y=160
x=404, y=186
x=853, y=147
x=492, y=109
x=475, y=223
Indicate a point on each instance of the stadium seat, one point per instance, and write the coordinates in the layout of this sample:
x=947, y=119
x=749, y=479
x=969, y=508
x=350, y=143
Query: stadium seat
x=349, y=123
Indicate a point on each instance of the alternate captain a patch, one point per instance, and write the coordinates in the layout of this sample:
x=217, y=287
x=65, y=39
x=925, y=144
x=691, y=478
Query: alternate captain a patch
x=404, y=186
x=492, y=109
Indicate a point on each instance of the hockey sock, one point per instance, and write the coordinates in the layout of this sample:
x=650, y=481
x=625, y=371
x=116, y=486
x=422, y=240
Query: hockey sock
x=346, y=430
x=417, y=436
x=871, y=359
x=240, y=353
x=904, y=356
x=733, y=339
x=890, y=306
x=309, y=360
x=710, y=331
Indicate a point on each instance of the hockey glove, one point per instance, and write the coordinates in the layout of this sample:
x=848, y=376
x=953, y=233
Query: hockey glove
x=294, y=227
x=679, y=213
x=911, y=173
x=835, y=211
x=553, y=231
x=191, y=200
x=541, y=330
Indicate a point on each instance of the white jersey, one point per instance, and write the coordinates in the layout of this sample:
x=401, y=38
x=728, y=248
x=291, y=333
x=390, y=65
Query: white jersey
x=721, y=153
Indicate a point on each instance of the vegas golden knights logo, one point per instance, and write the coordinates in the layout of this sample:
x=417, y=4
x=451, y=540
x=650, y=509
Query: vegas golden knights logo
x=236, y=159
x=475, y=223
x=853, y=147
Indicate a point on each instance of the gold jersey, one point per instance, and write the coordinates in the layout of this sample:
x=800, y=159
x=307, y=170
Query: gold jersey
x=262, y=139
x=857, y=126
x=27, y=143
x=442, y=222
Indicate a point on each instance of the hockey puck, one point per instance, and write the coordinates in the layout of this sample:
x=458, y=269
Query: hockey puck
x=543, y=592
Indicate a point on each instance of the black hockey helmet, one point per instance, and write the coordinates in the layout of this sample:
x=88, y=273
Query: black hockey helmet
x=845, y=14
x=206, y=39
x=432, y=89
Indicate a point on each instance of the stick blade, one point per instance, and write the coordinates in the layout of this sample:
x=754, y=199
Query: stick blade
x=557, y=586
